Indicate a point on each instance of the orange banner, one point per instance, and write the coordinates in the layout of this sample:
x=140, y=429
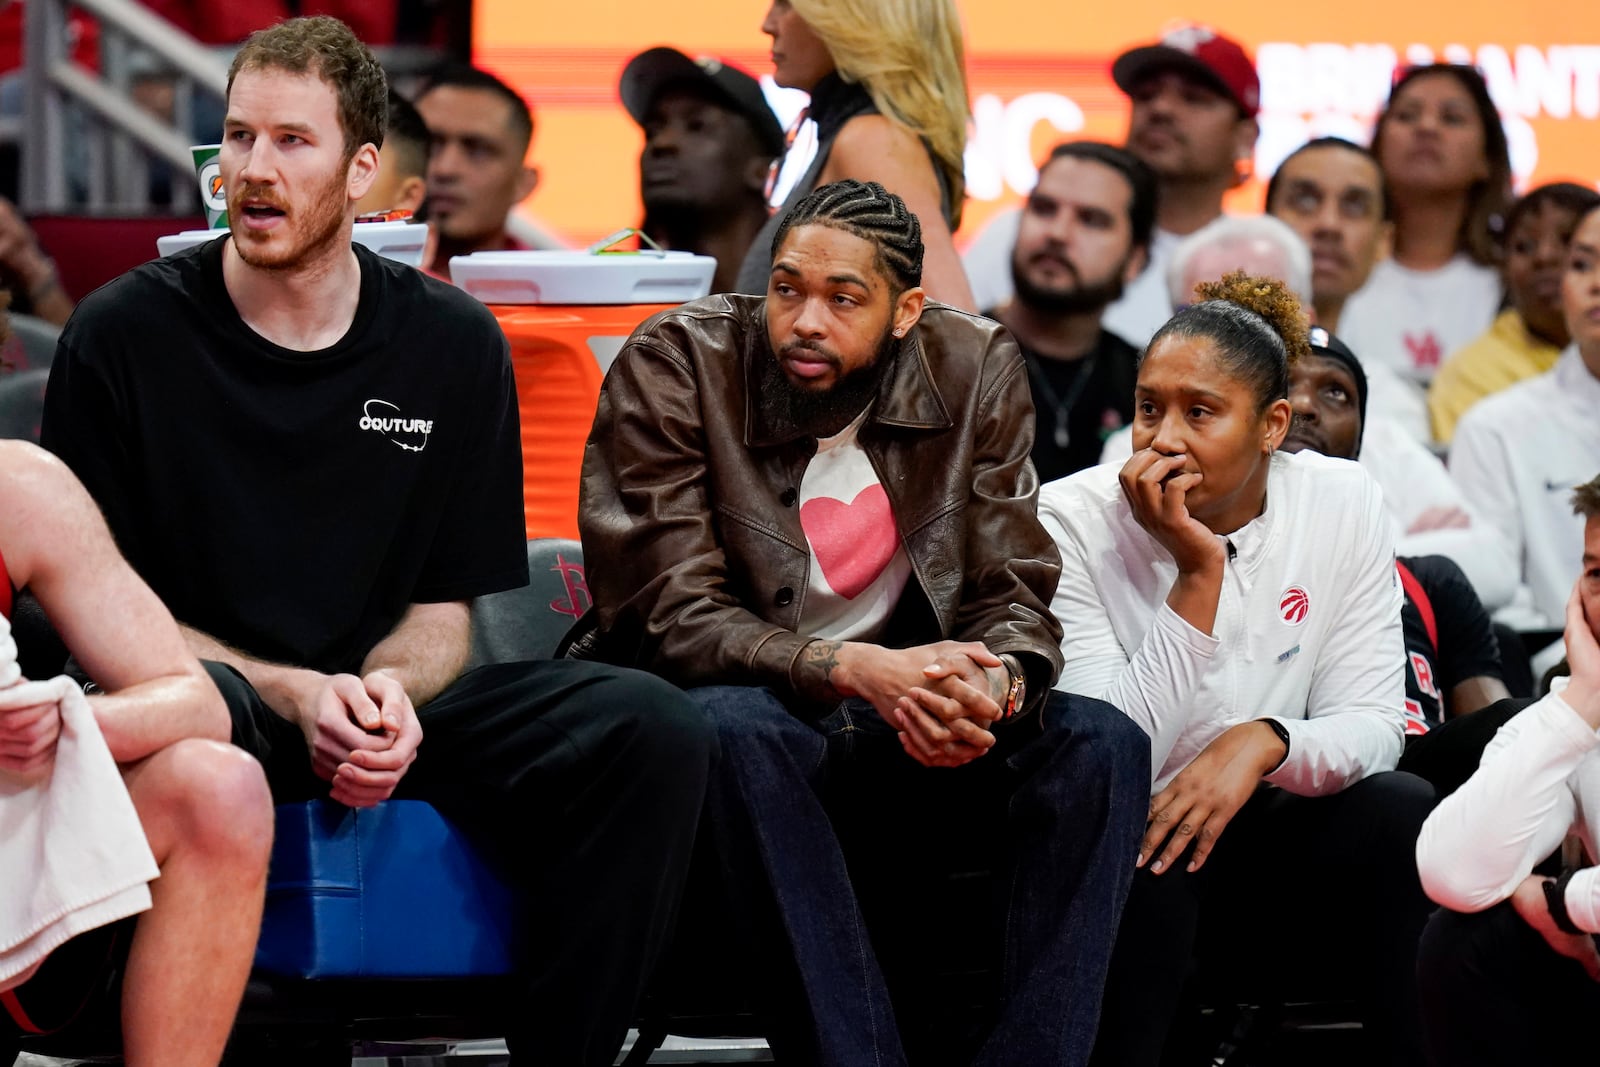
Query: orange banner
x=1039, y=73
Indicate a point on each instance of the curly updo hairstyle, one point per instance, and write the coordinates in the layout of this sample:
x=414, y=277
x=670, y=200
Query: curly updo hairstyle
x=1257, y=326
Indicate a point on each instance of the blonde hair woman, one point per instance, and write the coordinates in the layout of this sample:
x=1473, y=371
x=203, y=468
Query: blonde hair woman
x=888, y=89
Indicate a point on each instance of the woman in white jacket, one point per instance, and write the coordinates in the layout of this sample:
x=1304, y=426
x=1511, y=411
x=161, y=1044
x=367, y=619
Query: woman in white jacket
x=1241, y=606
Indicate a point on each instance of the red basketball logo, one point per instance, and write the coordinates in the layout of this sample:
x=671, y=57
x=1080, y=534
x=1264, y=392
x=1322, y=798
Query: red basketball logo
x=1293, y=605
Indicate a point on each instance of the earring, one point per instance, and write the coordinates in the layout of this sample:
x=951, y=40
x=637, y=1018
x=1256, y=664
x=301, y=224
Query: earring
x=898, y=332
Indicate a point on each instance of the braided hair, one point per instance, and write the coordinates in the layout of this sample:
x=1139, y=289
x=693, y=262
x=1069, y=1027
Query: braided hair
x=869, y=211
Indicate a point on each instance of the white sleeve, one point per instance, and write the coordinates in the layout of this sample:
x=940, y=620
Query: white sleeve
x=1583, y=900
x=1355, y=722
x=1118, y=446
x=1414, y=481
x=1481, y=466
x=1155, y=686
x=1479, y=550
x=1483, y=839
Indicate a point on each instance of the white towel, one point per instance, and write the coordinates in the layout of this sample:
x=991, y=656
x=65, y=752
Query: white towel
x=72, y=853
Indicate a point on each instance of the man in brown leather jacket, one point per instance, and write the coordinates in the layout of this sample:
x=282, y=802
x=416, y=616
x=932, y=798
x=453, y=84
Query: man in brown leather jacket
x=815, y=511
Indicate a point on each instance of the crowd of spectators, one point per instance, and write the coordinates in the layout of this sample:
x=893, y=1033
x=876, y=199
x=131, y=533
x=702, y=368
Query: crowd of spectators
x=1194, y=558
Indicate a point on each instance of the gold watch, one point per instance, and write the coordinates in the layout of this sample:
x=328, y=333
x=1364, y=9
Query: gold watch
x=1017, y=691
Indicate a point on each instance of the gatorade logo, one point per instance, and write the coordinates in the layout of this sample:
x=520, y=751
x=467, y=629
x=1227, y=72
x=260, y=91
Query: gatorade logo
x=380, y=416
x=211, y=187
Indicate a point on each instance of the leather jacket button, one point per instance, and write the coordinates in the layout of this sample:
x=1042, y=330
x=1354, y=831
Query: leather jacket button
x=788, y=497
x=784, y=598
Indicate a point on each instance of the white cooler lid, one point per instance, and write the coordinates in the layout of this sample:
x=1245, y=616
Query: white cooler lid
x=564, y=277
x=401, y=241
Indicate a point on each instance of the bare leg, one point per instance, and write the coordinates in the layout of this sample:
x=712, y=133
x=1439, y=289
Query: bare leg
x=208, y=816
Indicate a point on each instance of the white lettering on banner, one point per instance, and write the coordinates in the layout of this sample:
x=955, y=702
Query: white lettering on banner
x=999, y=153
x=1320, y=88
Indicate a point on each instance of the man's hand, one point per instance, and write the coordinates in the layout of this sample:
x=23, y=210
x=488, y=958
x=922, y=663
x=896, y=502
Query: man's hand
x=28, y=734
x=1440, y=517
x=20, y=257
x=1205, y=796
x=1529, y=901
x=1583, y=656
x=363, y=734
x=935, y=694
x=962, y=693
x=1156, y=487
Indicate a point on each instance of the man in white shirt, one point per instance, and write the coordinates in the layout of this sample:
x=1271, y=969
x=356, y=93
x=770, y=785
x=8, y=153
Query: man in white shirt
x=1517, y=455
x=1508, y=968
x=1194, y=97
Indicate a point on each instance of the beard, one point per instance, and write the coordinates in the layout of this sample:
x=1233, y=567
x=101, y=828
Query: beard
x=312, y=227
x=822, y=412
x=1067, y=300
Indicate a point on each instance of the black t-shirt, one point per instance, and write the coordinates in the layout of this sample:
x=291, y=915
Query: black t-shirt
x=1081, y=402
x=1467, y=645
x=294, y=504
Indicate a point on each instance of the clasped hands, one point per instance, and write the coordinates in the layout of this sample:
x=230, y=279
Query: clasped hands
x=943, y=698
x=362, y=733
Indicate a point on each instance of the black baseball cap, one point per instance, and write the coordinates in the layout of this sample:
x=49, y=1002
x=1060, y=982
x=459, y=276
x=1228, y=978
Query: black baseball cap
x=1328, y=346
x=655, y=69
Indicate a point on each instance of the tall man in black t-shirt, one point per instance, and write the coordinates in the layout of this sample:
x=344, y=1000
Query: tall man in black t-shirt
x=1453, y=666
x=312, y=455
x=1084, y=234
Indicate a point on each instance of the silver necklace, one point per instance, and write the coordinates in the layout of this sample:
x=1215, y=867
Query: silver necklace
x=1062, y=405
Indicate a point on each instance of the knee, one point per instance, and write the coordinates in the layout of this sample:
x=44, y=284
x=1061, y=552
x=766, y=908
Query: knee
x=743, y=715
x=217, y=797
x=1101, y=735
x=1398, y=803
x=663, y=719
x=1457, y=947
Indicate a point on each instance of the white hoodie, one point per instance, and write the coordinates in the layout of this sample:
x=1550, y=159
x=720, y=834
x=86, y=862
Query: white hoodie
x=1307, y=629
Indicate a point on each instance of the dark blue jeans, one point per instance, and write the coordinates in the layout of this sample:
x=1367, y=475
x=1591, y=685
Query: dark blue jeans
x=1059, y=803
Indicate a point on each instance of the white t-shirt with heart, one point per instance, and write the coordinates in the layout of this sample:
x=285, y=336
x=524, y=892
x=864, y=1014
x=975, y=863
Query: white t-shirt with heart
x=858, y=566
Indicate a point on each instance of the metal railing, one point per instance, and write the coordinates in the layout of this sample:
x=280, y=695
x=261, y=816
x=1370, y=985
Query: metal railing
x=86, y=143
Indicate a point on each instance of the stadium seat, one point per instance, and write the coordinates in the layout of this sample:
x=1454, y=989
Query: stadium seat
x=383, y=924
x=22, y=403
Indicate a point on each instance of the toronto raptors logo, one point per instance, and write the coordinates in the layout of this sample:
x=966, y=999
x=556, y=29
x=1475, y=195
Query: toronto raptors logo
x=1293, y=605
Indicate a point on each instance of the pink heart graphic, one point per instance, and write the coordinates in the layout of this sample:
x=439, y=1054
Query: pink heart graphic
x=853, y=542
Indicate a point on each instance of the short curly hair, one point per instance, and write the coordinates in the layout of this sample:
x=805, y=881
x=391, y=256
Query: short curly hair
x=1586, y=499
x=1257, y=325
x=324, y=46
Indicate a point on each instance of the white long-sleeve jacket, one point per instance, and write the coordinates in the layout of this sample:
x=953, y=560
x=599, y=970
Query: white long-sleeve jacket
x=1517, y=456
x=1307, y=628
x=1539, y=778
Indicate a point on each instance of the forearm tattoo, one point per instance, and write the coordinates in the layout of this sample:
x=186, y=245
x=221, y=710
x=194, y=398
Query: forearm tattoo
x=822, y=656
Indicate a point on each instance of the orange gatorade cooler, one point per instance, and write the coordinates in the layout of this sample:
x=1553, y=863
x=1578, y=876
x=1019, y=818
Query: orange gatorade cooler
x=567, y=315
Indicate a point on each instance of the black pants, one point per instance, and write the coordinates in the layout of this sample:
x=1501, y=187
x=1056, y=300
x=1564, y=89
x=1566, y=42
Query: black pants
x=1303, y=897
x=1494, y=994
x=583, y=783
x=1447, y=755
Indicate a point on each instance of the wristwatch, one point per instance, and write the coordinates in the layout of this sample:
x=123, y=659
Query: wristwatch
x=1555, y=900
x=1017, y=691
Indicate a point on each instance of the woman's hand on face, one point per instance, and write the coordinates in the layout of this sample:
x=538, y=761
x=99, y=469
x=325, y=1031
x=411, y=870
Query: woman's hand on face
x=1156, y=486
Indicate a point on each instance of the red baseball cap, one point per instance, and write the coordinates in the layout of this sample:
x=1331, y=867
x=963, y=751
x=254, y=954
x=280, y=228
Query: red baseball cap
x=1200, y=52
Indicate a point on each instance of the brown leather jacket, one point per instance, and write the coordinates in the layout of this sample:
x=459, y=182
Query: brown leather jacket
x=691, y=535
